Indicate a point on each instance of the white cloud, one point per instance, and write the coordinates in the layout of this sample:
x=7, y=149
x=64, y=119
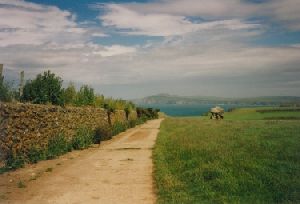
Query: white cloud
x=24, y=23
x=96, y=34
x=32, y=24
x=208, y=9
x=286, y=12
x=37, y=37
x=153, y=24
x=178, y=61
x=113, y=50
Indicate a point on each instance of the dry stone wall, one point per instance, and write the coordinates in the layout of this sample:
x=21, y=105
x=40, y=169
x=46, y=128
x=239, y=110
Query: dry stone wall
x=25, y=125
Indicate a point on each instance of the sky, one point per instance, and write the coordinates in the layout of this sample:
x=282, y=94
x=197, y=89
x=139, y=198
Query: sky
x=131, y=49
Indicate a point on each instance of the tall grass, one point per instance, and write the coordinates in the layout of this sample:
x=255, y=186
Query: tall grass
x=207, y=161
x=83, y=138
x=119, y=127
x=58, y=145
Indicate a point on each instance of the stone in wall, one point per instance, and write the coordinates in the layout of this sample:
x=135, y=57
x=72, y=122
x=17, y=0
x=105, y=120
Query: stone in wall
x=23, y=126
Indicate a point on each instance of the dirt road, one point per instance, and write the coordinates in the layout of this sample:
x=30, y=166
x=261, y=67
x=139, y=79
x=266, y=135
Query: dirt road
x=117, y=171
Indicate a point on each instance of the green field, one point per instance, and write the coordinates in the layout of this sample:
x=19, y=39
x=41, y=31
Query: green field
x=243, y=159
x=264, y=113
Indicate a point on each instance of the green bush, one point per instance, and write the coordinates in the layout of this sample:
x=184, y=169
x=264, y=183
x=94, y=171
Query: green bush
x=132, y=123
x=83, y=139
x=102, y=134
x=119, y=104
x=58, y=145
x=141, y=120
x=6, y=92
x=118, y=127
x=147, y=113
x=44, y=89
x=85, y=96
x=14, y=160
x=69, y=94
x=99, y=101
x=36, y=154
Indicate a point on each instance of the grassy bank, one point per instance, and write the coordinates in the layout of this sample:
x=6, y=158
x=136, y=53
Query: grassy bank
x=237, y=160
x=264, y=113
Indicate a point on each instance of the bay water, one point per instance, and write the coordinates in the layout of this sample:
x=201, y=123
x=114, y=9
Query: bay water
x=190, y=109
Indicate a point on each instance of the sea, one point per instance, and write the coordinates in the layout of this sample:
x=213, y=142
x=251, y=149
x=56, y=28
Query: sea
x=181, y=110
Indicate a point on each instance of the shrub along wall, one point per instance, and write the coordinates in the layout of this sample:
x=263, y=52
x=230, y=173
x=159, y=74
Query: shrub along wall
x=28, y=129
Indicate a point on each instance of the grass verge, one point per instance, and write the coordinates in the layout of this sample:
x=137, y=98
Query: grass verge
x=263, y=113
x=233, y=161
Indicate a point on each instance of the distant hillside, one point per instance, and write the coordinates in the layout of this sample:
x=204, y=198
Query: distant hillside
x=173, y=99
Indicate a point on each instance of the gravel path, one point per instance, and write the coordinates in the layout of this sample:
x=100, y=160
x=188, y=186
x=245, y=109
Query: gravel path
x=117, y=171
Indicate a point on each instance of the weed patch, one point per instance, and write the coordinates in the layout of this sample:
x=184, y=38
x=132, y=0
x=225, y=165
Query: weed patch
x=118, y=127
x=102, y=134
x=83, y=139
x=21, y=184
x=132, y=123
x=58, y=145
x=14, y=160
x=49, y=169
x=36, y=154
x=3, y=170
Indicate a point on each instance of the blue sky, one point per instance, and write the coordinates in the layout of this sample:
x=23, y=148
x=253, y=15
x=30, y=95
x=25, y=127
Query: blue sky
x=84, y=12
x=132, y=49
x=276, y=35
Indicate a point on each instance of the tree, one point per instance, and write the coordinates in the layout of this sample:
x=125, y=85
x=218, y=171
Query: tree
x=69, y=94
x=6, y=94
x=99, y=101
x=85, y=96
x=44, y=89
